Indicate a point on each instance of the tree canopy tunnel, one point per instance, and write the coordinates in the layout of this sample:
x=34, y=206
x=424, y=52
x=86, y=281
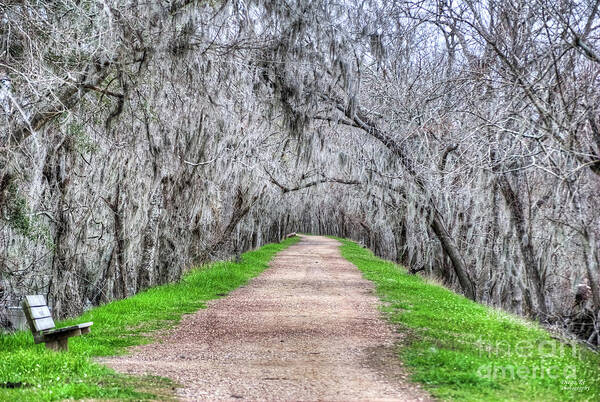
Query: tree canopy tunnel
x=459, y=139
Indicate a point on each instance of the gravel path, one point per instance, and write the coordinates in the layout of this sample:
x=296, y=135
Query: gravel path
x=307, y=328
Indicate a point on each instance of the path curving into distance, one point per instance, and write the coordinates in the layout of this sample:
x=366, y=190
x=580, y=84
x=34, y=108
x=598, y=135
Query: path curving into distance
x=307, y=328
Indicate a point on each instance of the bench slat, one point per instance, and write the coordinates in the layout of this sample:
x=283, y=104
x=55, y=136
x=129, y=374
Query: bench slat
x=40, y=312
x=35, y=300
x=83, y=326
x=55, y=331
x=43, y=323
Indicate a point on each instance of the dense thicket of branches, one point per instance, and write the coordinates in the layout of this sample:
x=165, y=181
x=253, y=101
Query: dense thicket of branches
x=461, y=139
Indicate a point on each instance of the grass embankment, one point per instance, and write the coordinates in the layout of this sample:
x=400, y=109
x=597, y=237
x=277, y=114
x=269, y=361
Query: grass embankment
x=461, y=350
x=30, y=372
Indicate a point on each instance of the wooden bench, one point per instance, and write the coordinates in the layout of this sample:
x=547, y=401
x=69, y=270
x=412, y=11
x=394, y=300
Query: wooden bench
x=43, y=328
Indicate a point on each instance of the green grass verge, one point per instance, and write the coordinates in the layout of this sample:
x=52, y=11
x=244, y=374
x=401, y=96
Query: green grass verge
x=462, y=350
x=30, y=372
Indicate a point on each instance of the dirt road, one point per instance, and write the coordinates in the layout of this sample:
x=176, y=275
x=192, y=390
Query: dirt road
x=307, y=328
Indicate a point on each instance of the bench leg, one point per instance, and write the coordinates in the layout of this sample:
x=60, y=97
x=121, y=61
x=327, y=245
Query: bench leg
x=60, y=344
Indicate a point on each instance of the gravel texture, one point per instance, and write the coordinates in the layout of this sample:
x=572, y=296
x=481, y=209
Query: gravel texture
x=307, y=328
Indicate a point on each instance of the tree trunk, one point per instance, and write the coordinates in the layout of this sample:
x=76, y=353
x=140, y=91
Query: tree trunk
x=592, y=269
x=119, y=256
x=144, y=278
x=515, y=208
x=449, y=246
x=460, y=268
